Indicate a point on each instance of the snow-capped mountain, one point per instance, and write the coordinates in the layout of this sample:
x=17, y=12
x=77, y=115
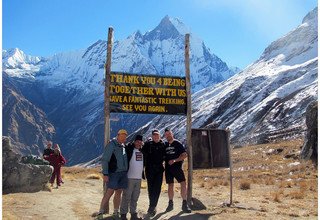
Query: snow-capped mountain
x=68, y=86
x=266, y=100
x=18, y=64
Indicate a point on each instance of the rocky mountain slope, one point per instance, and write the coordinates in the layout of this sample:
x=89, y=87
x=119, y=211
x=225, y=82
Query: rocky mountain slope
x=67, y=87
x=267, y=100
x=26, y=124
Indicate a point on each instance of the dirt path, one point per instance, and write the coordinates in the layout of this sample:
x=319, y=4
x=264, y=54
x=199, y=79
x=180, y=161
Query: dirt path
x=266, y=186
x=78, y=199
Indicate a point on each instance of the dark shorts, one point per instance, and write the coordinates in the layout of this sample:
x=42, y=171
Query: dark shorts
x=118, y=180
x=174, y=172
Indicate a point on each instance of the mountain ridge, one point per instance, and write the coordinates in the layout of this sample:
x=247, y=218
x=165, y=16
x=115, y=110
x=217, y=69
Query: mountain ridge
x=68, y=86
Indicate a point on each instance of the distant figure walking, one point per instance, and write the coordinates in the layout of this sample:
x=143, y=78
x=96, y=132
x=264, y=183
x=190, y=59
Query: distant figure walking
x=48, y=150
x=56, y=160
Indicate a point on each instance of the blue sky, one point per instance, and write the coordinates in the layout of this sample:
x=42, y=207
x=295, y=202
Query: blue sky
x=235, y=30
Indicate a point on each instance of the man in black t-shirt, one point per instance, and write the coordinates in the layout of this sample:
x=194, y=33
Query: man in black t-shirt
x=48, y=150
x=154, y=154
x=175, y=155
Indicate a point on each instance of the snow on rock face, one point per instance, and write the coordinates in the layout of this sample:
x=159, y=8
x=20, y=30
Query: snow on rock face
x=68, y=86
x=298, y=46
x=160, y=51
x=16, y=63
x=266, y=100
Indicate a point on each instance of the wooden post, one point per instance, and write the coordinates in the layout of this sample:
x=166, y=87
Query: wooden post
x=189, y=114
x=107, y=94
x=210, y=147
x=107, y=89
x=230, y=161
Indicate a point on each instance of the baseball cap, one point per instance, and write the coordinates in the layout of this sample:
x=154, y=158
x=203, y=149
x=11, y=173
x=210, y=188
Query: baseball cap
x=122, y=131
x=138, y=137
x=155, y=131
x=167, y=129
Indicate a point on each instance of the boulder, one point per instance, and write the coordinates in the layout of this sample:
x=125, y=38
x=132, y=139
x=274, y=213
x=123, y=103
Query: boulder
x=35, y=160
x=21, y=177
x=310, y=146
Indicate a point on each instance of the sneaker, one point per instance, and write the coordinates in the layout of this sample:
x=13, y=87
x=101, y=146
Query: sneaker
x=185, y=207
x=123, y=216
x=152, y=211
x=96, y=214
x=115, y=215
x=170, y=206
x=134, y=216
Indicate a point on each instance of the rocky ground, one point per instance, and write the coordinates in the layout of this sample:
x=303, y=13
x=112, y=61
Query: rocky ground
x=269, y=182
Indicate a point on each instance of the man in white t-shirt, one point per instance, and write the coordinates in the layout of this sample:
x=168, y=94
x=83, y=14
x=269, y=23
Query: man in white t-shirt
x=132, y=193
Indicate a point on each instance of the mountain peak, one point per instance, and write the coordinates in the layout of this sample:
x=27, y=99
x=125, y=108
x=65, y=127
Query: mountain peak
x=13, y=52
x=168, y=28
x=15, y=56
x=168, y=22
x=298, y=46
x=311, y=17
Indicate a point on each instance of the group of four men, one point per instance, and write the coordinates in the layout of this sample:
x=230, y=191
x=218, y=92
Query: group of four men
x=123, y=168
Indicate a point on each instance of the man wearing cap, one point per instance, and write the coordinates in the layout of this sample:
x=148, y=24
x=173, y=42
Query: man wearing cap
x=132, y=193
x=154, y=153
x=114, y=168
x=175, y=155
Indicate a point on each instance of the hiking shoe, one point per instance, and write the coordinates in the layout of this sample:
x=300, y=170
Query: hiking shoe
x=170, y=206
x=97, y=215
x=123, y=216
x=152, y=211
x=115, y=216
x=134, y=216
x=185, y=207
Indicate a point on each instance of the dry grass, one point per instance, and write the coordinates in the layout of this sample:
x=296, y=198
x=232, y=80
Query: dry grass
x=72, y=173
x=244, y=185
x=9, y=216
x=276, y=197
x=304, y=186
x=296, y=194
x=80, y=210
x=266, y=175
x=270, y=181
x=94, y=176
x=226, y=182
x=47, y=187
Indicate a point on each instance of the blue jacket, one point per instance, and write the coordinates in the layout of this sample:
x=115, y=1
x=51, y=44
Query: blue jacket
x=116, y=154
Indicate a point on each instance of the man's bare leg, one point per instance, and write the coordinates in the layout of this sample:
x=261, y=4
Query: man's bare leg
x=170, y=191
x=183, y=190
x=170, y=195
x=104, y=206
x=117, y=198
